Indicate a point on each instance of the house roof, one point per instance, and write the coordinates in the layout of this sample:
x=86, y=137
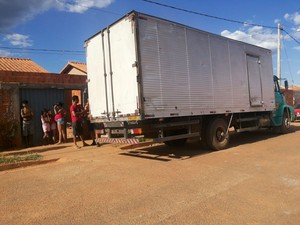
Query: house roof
x=77, y=65
x=295, y=88
x=20, y=65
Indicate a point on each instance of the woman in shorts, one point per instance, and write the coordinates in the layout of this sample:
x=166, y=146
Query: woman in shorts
x=61, y=123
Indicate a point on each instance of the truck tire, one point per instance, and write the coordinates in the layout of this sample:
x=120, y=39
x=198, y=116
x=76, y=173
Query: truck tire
x=217, y=138
x=286, y=123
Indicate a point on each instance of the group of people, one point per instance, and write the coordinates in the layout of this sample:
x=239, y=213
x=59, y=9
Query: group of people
x=53, y=126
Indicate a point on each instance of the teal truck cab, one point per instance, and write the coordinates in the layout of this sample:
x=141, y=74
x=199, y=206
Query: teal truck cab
x=283, y=114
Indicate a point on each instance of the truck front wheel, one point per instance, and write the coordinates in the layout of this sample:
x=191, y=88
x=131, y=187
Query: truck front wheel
x=286, y=123
x=217, y=136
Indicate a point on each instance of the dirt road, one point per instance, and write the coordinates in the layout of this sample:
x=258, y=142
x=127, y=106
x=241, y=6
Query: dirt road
x=255, y=181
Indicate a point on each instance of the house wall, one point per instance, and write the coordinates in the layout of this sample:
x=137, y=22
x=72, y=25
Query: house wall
x=297, y=96
x=289, y=96
x=75, y=71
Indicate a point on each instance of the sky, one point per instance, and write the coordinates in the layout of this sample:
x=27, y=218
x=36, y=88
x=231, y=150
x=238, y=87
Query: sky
x=52, y=32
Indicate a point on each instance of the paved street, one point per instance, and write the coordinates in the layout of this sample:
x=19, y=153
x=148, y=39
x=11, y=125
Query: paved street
x=255, y=181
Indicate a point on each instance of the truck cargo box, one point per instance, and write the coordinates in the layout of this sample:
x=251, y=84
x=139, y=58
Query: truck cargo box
x=143, y=67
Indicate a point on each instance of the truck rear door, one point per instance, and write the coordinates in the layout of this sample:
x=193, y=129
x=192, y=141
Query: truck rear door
x=112, y=75
x=254, y=77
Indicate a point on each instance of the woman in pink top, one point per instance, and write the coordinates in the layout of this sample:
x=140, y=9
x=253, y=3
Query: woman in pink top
x=60, y=119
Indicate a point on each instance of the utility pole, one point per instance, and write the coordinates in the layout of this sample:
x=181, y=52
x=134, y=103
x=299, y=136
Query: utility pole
x=279, y=55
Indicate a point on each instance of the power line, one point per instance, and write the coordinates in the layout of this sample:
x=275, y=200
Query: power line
x=207, y=15
x=44, y=50
x=41, y=53
x=290, y=36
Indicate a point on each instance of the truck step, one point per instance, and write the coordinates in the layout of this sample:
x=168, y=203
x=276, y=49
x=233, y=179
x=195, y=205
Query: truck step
x=176, y=124
x=246, y=129
x=246, y=119
x=176, y=137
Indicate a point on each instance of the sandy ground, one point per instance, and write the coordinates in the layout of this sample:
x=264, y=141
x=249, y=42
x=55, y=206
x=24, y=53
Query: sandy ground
x=255, y=181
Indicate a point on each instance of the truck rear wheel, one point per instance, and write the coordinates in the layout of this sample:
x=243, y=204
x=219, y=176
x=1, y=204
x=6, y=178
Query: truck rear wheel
x=217, y=136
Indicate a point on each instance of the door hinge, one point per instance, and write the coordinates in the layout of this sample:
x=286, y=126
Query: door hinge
x=135, y=64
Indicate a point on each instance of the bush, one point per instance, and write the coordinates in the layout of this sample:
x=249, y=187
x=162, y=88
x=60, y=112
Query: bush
x=8, y=130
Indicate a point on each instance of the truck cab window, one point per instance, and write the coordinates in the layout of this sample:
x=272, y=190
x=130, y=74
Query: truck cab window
x=276, y=87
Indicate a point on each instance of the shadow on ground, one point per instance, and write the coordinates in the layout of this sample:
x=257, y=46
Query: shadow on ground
x=165, y=153
x=237, y=139
x=195, y=148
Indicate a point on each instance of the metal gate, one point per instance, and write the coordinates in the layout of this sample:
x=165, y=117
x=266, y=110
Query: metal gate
x=38, y=100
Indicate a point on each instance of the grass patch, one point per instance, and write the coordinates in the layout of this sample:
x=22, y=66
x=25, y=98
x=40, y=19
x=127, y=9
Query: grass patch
x=19, y=158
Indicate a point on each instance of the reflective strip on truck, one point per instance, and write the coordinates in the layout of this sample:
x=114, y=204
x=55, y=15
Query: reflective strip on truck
x=118, y=140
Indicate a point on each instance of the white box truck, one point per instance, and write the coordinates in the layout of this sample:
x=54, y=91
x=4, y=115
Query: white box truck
x=171, y=82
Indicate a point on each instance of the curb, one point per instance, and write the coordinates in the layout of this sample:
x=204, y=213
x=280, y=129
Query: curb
x=25, y=164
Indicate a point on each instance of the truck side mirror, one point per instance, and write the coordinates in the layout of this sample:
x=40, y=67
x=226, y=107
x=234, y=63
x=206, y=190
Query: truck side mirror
x=286, y=85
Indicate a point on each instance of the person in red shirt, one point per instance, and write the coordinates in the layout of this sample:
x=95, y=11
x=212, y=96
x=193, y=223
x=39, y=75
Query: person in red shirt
x=76, y=113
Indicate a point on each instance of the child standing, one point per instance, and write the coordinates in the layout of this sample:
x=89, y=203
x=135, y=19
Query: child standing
x=53, y=126
x=45, y=125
